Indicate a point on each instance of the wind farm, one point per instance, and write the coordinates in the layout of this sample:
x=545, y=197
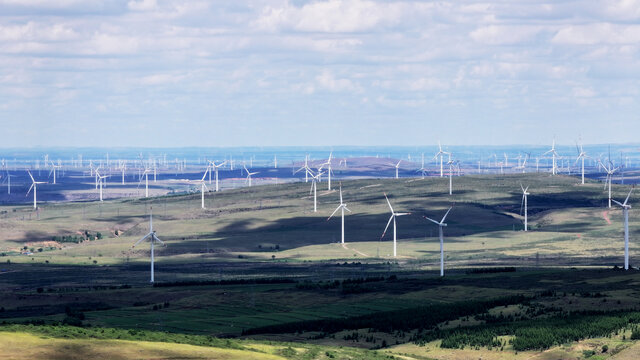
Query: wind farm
x=281, y=242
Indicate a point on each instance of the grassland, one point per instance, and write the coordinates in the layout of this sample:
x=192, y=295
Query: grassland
x=247, y=236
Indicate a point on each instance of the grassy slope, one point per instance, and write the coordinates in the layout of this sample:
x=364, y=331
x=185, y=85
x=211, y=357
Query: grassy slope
x=567, y=219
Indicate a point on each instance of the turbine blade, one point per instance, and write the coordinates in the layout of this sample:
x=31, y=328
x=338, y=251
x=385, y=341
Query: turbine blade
x=628, y=196
x=333, y=213
x=388, y=202
x=31, y=187
x=430, y=219
x=386, y=227
x=617, y=202
x=346, y=208
x=141, y=240
x=445, y=215
x=156, y=239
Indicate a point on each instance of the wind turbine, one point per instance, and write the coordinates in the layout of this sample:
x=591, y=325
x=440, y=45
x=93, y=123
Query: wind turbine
x=341, y=207
x=422, y=169
x=610, y=170
x=393, y=217
x=397, y=167
x=554, y=154
x=581, y=156
x=100, y=180
x=328, y=163
x=9, y=176
x=123, y=168
x=306, y=167
x=450, y=163
x=34, y=186
x=441, y=154
x=215, y=169
x=249, y=174
x=441, y=224
x=625, y=211
x=314, y=189
x=203, y=187
x=146, y=181
x=151, y=236
x=53, y=171
x=307, y=170
x=524, y=202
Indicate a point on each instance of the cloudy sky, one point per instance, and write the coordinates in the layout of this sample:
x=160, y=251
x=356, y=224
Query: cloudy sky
x=352, y=72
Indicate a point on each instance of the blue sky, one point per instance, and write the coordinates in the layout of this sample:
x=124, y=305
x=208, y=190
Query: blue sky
x=352, y=72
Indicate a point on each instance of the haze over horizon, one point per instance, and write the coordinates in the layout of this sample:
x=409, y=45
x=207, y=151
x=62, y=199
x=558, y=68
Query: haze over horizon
x=315, y=73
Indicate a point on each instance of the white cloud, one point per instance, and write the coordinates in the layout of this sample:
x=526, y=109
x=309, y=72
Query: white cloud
x=328, y=81
x=142, y=5
x=501, y=35
x=336, y=16
x=598, y=33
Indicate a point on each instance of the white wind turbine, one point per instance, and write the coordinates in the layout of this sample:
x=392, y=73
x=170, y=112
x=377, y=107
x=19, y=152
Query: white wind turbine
x=341, y=207
x=151, y=236
x=524, y=202
x=54, y=167
x=441, y=224
x=314, y=189
x=100, y=180
x=328, y=163
x=554, y=155
x=392, y=218
x=249, y=175
x=203, y=187
x=422, y=169
x=625, y=211
x=450, y=163
x=34, y=186
x=123, y=168
x=215, y=169
x=146, y=181
x=307, y=170
x=306, y=167
x=581, y=156
x=441, y=154
x=610, y=170
x=9, y=176
x=397, y=167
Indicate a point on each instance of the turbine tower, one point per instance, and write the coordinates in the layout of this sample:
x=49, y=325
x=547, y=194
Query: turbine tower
x=625, y=211
x=441, y=224
x=151, y=236
x=524, y=202
x=341, y=207
x=34, y=186
x=392, y=218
